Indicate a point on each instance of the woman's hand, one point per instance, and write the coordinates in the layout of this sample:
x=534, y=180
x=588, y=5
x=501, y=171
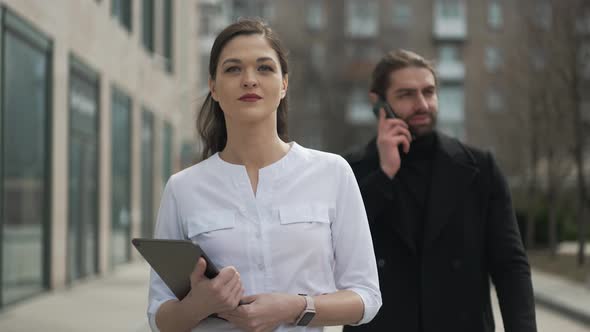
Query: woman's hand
x=220, y=294
x=265, y=312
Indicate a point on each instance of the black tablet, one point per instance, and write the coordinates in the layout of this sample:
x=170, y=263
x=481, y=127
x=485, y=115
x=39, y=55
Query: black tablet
x=174, y=261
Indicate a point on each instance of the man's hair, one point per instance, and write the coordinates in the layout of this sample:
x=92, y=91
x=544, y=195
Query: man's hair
x=393, y=61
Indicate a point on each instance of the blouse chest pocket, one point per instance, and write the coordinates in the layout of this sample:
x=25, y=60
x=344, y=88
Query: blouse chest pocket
x=305, y=224
x=304, y=214
x=211, y=223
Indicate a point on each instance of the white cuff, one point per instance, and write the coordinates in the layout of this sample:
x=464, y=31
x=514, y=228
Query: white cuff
x=371, y=302
x=153, y=309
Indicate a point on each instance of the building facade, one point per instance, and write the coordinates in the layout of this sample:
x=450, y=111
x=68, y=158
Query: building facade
x=488, y=68
x=96, y=104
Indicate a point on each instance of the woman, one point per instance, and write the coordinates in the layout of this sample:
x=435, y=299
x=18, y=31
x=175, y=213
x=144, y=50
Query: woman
x=286, y=223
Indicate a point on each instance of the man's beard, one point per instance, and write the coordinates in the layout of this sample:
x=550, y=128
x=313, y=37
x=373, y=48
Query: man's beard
x=423, y=130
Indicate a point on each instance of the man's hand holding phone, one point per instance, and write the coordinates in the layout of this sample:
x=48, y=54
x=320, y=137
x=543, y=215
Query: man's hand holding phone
x=391, y=133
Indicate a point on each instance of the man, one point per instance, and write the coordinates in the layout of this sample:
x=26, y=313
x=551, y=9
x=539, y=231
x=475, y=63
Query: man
x=440, y=214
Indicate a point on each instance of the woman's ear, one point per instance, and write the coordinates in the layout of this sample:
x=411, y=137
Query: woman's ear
x=284, y=86
x=212, y=89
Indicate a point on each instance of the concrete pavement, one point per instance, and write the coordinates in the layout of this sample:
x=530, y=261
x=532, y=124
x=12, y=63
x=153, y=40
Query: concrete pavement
x=117, y=302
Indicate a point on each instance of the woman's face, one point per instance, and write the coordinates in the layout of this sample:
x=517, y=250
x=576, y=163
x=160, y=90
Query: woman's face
x=249, y=84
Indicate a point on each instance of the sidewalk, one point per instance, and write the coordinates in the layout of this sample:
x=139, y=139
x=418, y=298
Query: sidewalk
x=117, y=302
x=563, y=296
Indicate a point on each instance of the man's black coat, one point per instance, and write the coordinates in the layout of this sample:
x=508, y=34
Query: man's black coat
x=470, y=236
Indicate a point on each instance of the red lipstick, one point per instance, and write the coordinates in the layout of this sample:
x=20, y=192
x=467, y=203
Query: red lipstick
x=250, y=97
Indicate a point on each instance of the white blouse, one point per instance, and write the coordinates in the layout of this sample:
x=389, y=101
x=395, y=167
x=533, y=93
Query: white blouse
x=305, y=230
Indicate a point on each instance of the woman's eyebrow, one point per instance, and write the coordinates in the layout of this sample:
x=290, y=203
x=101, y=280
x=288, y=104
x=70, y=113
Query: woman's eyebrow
x=263, y=59
x=231, y=60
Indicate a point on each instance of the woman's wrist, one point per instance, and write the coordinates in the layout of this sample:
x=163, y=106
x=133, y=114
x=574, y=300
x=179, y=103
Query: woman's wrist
x=193, y=312
x=298, y=305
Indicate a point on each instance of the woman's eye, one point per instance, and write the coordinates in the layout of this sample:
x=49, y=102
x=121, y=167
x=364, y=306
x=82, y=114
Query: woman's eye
x=232, y=69
x=265, y=68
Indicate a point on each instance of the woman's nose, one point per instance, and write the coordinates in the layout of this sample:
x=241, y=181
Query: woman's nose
x=249, y=84
x=249, y=80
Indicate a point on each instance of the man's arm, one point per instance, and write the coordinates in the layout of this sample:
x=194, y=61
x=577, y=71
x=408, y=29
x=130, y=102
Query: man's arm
x=507, y=260
x=377, y=189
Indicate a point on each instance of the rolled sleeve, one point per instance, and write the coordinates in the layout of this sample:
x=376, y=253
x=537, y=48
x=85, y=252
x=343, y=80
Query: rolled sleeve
x=355, y=268
x=371, y=302
x=159, y=293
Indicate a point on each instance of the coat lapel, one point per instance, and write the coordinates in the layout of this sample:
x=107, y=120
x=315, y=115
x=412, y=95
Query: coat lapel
x=453, y=171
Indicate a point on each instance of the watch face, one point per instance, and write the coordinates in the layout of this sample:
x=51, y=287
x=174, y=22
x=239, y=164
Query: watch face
x=307, y=317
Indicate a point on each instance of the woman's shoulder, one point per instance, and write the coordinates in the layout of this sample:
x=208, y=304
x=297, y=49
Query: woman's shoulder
x=324, y=158
x=200, y=170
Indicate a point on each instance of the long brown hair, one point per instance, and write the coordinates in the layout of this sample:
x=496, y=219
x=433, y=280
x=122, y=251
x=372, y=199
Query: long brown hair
x=210, y=120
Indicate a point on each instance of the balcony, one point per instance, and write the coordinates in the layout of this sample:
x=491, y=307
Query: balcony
x=454, y=29
x=450, y=20
x=451, y=71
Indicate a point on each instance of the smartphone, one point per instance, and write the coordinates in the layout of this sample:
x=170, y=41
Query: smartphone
x=382, y=104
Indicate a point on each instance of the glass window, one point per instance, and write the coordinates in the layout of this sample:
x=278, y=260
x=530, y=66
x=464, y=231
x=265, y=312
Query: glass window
x=448, y=53
x=168, y=34
x=363, y=20
x=493, y=58
x=359, y=107
x=120, y=177
x=147, y=174
x=121, y=10
x=495, y=19
x=315, y=14
x=83, y=174
x=450, y=19
x=402, y=14
x=166, y=152
x=24, y=162
x=148, y=25
x=450, y=8
x=451, y=116
x=495, y=102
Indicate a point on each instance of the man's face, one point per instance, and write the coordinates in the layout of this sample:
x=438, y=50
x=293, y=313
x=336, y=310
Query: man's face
x=412, y=95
